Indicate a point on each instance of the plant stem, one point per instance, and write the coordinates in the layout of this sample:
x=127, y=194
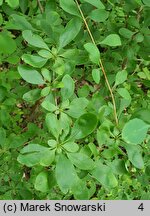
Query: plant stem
x=100, y=63
x=40, y=6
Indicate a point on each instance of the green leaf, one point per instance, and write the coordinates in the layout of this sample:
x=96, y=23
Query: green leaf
x=45, y=54
x=65, y=174
x=41, y=182
x=21, y=23
x=46, y=74
x=45, y=91
x=33, y=148
x=2, y=137
x=23, y=5
x=81, y=161
x=143, y=114
x=77, y=107
x=13, y=59
x=34, y=40
x=1, y=18
x=124, y=93
x=146, y=2
x=126, y=33
x=13, y=3
x=32, y=95
x=121, y=77
x=71, y=147
x=109, y=153
x=135, y=155
x=7, y=44
x=71, y=30
x=83, y=91
x=118, y=166
x=47, y=157
x=97, y=3
x=124, y=103
x=3, y=93
x=84, y=126
x=34, y=60
x=70, y=7
x=16, y=141
x=139, y=38
x=93, y=149
x=112, y=40
x=80, y=190
x=48, y=106
x=52, y=143
x=30, y=159
x=105, y=176
x=93, y=51
x=99, y=15
x=96, y=74
x=65, y=122
x=53, y=125
x=30, y=75
x=69, y=86
x=1, y=2
x=33, y=154
x=135, y=131
x=59, y=66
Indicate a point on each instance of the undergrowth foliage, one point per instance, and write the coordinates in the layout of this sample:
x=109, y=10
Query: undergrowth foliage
x=74, y=99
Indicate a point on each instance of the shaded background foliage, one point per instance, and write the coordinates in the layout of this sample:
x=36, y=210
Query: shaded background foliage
x=58, y=135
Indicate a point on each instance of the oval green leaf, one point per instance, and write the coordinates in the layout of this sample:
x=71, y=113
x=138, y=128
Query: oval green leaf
x=135, y=131
x=71, y=30
x=2, y=137
x=80, y=190
x=69, y=87
x=65, y=173
x=47, y=157
x=84, y=126
x=30, y=159
x=81, y=161
x=96, y=74
x=121, y=77
x=30, y=75
x=96, y=3
x=34, y=60
x=71, y=147
x=112, y=40
x=99, y=15
x=143, y=114
x=34, y=40
x=41, y=182
x=77, y=107
x=93, y=51
x=7, y=44
x=53, y=125
x=13, y=3
x=32, y=95
x=124, y=93
x=105, y=176
x=70, y=7
x=48, y=106
x=135, y=156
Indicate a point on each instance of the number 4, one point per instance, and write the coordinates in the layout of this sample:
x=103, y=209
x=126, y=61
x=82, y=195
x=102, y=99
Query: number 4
x=141, y=207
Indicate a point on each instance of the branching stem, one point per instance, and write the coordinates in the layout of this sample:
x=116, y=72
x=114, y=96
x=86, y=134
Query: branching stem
x=100, y=63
